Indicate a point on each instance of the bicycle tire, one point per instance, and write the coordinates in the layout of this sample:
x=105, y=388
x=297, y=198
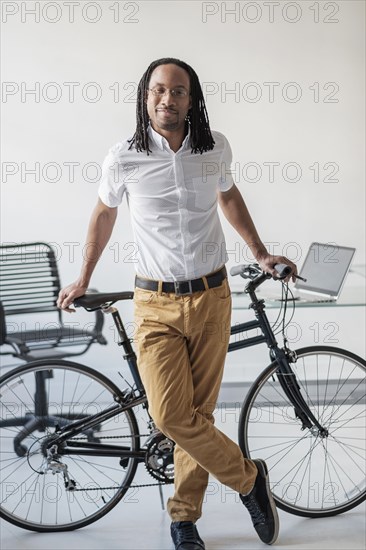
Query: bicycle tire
x=39, y=501
x=298, y=486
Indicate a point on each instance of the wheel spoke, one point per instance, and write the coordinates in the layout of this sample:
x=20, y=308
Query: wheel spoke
x=36, y=496
x=311, y=472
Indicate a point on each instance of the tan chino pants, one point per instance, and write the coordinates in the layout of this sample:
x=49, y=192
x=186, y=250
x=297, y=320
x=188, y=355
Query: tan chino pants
x=181, y=346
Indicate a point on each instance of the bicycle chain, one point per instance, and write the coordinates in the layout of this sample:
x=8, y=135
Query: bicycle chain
x=118, y=486
x=84, y=438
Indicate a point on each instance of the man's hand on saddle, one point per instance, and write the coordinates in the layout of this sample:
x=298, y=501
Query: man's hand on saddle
x=68, y=294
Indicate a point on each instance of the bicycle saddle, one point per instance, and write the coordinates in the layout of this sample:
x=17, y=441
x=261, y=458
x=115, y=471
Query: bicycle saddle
x=94, y=300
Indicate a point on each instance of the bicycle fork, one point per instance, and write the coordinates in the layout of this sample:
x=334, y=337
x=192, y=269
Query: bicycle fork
x=282, y=357
x=292, y=390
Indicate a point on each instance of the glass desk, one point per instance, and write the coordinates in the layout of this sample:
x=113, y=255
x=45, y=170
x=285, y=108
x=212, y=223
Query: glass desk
x=350, y=297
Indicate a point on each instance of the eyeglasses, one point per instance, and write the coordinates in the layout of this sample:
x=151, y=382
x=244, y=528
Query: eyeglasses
x=159, y=91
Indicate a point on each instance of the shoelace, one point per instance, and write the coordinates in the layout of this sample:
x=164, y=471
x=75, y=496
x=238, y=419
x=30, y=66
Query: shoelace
x=187, y=532
x=254, y=510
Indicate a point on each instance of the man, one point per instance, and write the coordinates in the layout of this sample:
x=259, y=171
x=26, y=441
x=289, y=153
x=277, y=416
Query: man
x=174, y=171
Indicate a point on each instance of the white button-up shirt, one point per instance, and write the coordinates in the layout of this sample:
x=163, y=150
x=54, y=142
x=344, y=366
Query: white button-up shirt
x=172, y=199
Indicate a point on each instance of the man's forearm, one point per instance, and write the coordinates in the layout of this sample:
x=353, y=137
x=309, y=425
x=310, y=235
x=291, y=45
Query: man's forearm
x=99, y=231
x=237, y=214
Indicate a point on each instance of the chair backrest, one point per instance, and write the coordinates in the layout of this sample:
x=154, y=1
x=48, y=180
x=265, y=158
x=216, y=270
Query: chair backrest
x=29, y=279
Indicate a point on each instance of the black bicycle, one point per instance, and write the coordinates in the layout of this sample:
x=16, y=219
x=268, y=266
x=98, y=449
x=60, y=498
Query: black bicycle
x=71, y=443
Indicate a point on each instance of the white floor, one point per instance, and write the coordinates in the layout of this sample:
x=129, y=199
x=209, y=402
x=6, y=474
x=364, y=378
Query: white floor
x=138, y=523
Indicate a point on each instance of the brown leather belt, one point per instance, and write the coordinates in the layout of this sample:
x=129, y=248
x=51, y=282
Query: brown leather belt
x=184, y=287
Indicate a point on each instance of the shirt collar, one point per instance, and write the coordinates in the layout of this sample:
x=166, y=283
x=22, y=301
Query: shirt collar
x=160, y=140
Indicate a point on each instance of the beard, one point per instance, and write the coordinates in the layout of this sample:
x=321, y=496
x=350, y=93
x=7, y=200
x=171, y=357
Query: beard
x=168, y=124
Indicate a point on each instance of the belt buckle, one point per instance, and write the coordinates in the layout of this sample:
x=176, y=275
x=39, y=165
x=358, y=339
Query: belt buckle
x=177, y=287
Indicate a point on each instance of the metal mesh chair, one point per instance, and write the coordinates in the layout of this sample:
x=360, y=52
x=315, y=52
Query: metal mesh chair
x=29, y=285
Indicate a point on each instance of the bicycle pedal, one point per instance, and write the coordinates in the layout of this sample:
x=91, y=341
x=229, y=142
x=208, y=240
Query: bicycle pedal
x=124, y=462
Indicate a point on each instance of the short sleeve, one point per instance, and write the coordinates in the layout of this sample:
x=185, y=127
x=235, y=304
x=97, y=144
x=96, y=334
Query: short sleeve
x=112, y=186
x=226, y=179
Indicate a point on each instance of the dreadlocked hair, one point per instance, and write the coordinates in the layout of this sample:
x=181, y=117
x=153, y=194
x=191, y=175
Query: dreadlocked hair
x=201, y=138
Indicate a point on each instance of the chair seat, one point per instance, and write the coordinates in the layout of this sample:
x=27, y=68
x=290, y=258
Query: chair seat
x=56, y=334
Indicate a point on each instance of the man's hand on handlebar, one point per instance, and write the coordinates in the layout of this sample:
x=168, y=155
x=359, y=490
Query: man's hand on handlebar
x=68, y=294
x=268, y=262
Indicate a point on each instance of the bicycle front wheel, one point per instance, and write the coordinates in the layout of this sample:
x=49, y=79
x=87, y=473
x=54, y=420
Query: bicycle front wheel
x=311, y=474
x=36, y=399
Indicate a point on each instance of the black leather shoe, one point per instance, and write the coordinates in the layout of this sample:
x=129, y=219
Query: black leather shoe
x=185, y=536
x=261, y=506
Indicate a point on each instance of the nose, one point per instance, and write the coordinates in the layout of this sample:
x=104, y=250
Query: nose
x=167, y=98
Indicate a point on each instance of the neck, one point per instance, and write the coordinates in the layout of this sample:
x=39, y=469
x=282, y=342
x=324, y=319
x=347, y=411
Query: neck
x=174, y=137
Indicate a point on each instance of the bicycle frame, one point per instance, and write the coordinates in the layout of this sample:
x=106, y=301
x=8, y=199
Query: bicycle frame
x=282, y=356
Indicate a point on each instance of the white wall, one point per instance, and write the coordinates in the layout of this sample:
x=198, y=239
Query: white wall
x=320, y=52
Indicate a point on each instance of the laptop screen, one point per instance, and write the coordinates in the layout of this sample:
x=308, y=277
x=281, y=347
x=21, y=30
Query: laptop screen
x=325, y=268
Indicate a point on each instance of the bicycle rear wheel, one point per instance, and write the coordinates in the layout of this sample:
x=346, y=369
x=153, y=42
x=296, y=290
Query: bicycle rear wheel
x=35, y=399
x=311, y=475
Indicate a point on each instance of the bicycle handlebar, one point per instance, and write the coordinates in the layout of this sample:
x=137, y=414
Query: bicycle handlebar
x=249, y=271
x=283, y=270
x=237, y=270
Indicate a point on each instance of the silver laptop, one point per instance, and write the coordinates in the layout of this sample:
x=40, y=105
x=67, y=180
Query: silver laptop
x=325, y=269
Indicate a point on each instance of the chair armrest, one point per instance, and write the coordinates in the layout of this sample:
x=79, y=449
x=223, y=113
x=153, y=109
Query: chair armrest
x=21, y=349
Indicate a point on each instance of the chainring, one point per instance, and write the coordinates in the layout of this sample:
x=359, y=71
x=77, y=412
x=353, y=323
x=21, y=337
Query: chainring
x=159, y=458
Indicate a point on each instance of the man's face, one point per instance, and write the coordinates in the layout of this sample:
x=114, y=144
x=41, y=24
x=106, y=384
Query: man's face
x=168, y=111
